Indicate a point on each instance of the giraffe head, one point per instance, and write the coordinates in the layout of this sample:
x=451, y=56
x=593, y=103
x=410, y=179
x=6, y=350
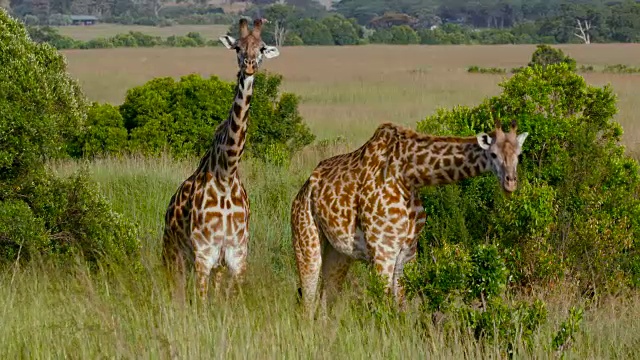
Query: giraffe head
x=250, y=48
x=502, y=150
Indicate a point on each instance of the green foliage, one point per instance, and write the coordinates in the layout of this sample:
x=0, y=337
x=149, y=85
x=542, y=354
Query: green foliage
x=43, y=118
x=397, y=35
x=505, y=324
x=104, y=132
x=342, y=30
x=546, y=55
x=621, y=69
x=22, y=235
x=313, y=32
x=42, y=107
x=81, y=221
x=482, y=70
x=576, y=211
x=452, y=280
x=565, y=336
x=181, y=116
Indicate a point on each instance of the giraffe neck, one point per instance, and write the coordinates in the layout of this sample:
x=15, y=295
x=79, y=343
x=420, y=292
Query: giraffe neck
x=230, y=136
x=443, y=160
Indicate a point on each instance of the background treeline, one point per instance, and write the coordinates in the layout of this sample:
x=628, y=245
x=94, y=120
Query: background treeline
x=350, y=22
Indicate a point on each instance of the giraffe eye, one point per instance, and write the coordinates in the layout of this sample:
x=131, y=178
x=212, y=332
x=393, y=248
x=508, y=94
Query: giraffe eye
x=493, y=155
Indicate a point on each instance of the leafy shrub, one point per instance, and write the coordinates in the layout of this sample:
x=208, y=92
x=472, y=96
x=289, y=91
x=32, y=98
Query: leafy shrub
x=546, y=55
x=42, y=107
x=467, y=287
x=104, y=132
x=182, y=115
x=576, y=213
x=621, y=68
x=21, y=234
x=81, y=221
x=482, y=70
x=43, y=114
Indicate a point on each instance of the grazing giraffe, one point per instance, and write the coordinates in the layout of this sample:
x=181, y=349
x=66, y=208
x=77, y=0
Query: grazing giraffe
x=207, y=221
x=365, y=205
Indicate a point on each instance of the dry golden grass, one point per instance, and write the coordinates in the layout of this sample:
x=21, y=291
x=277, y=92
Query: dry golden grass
x=349, y=90
x=85, y=33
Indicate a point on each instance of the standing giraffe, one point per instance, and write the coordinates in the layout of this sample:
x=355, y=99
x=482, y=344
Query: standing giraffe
x=207, y=221
x=365, y=205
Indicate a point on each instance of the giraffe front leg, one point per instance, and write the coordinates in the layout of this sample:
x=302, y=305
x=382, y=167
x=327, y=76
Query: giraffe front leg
x=236, y=260
x=207, y=256
x=406, y=255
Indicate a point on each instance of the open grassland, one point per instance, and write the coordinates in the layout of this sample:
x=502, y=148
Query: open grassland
x=348, y=91
x=53, y=312
x=86, y=33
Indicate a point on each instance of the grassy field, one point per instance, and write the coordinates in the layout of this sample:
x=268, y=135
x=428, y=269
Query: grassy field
x=86, y=33
x=349, y=90
x=50, y=312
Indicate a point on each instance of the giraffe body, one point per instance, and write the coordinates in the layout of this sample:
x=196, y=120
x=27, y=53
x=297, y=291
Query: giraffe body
x=207, y=220
x=365, y=205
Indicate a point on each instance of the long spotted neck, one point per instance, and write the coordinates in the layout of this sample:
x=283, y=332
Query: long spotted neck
x=231, y=136
x=443, y=160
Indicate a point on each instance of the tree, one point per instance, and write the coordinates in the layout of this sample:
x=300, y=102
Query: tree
x=584, y=27
x=313, y=32
x=341, y=29
x=280, y=17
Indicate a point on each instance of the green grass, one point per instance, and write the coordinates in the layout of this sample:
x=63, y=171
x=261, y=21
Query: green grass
x=55, y=312
x=49, y=311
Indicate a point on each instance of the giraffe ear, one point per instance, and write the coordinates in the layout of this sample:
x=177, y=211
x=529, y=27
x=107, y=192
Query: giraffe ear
x=228, y=41
x=270, y=51
x=521, y=139
x=484, y=141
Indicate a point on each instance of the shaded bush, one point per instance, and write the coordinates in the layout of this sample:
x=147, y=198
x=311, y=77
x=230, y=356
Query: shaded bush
x=43, y=115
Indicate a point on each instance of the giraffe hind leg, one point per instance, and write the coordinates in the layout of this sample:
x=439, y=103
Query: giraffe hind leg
x=335, y=267
x=307, y=247
x=175, y=267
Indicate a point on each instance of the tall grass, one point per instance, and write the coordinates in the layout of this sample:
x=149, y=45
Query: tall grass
x=48, y=311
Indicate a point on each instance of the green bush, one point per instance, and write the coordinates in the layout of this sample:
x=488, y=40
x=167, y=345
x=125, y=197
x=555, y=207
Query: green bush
x=576, y=212
x=546, y=55
x=80, y=220
x=43, y=116
x=42, y=107
x=22, y=235
x=181, y=116
x=104, y=132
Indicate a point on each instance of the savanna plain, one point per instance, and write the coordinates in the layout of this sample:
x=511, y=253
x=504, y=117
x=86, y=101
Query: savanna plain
x=50, y=312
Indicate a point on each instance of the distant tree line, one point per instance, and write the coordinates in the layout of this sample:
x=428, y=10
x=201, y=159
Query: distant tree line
x=350, y=22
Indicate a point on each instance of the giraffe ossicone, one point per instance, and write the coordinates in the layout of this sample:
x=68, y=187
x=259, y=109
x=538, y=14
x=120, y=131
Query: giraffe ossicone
x=364, y=205
x=207, y=220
